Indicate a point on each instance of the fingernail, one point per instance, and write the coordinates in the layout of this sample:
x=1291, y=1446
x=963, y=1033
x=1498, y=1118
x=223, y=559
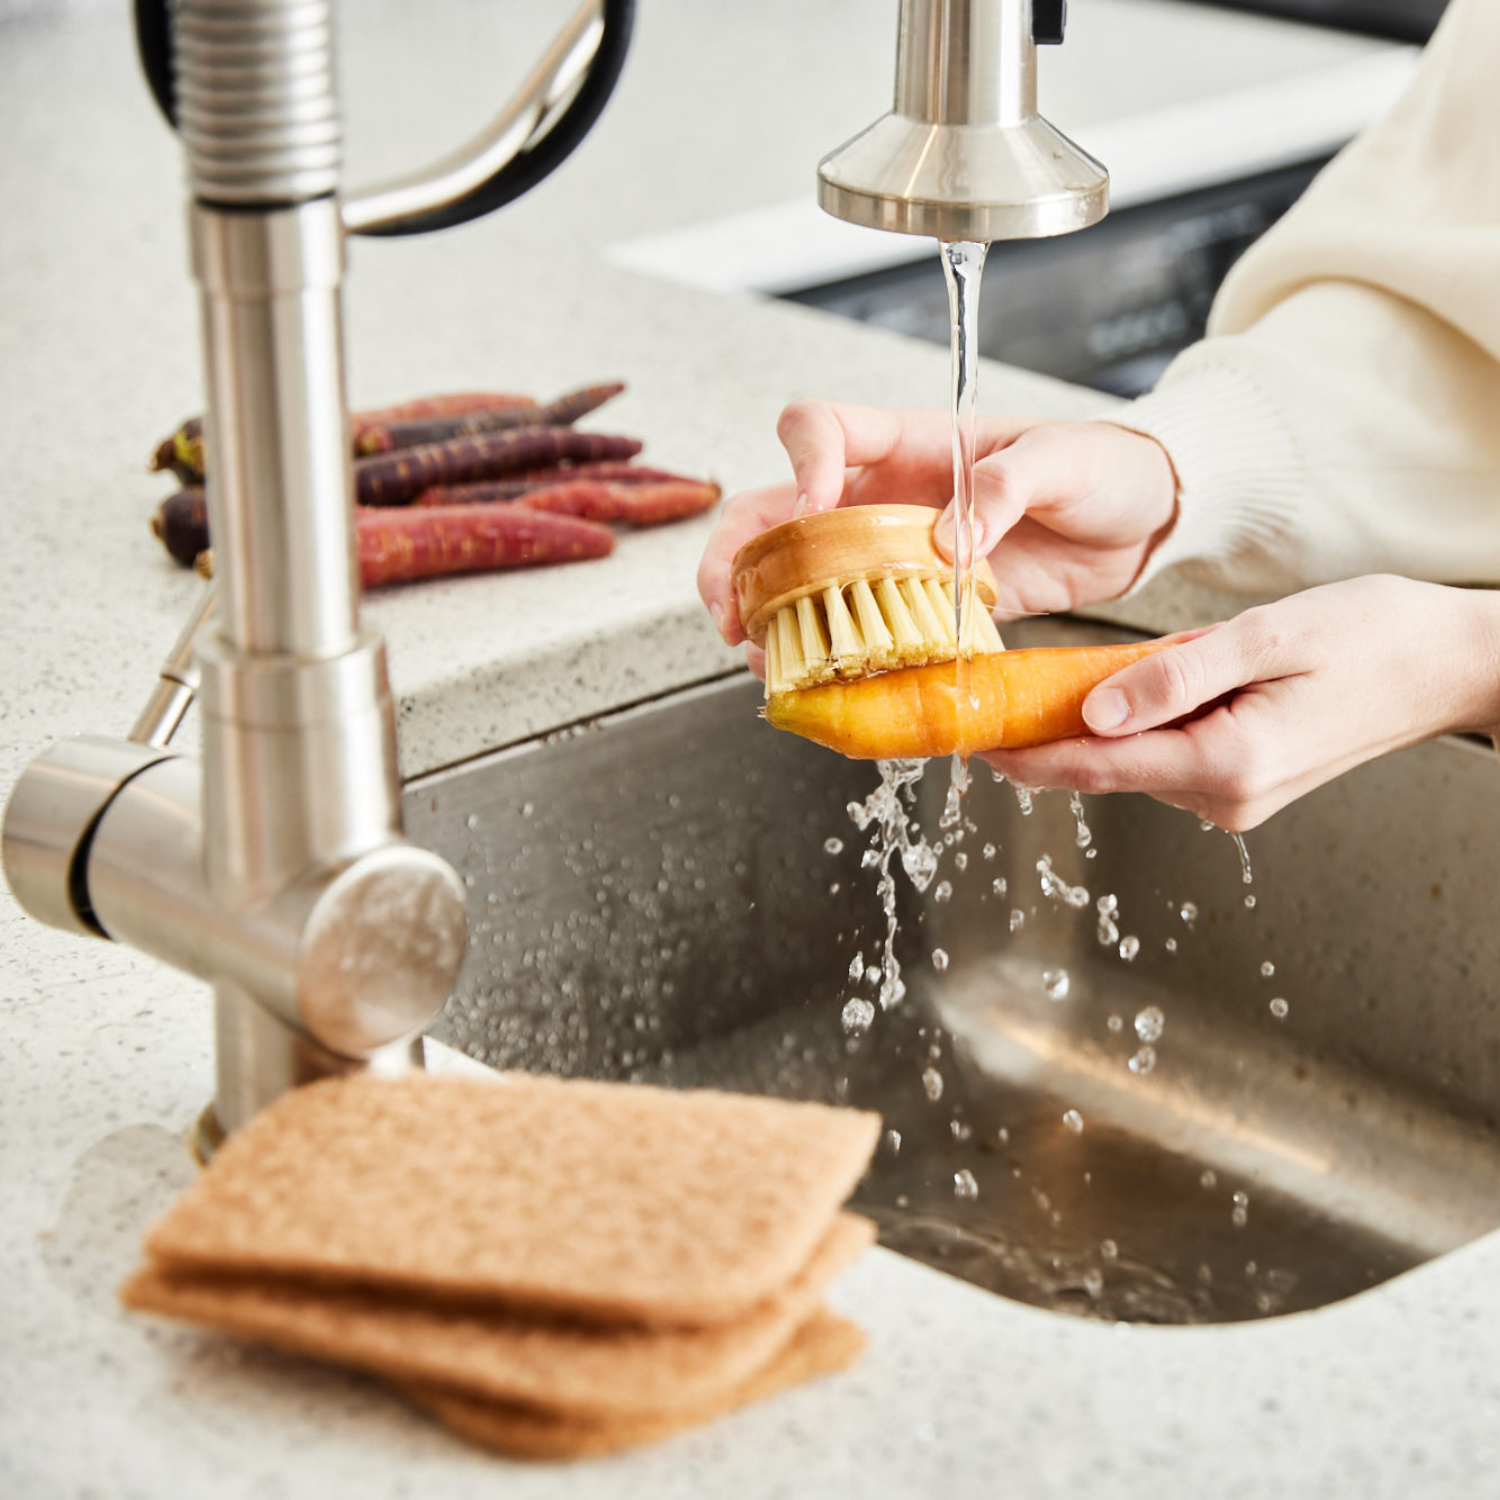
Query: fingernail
x=717, y=611
x=1107, y=709
x=801, y=505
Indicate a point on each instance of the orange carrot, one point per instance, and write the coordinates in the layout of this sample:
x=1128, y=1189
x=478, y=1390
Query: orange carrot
x=397, y=546
x=1024, y=698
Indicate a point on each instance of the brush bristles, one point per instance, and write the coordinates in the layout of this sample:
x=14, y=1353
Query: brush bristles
x=855, y=629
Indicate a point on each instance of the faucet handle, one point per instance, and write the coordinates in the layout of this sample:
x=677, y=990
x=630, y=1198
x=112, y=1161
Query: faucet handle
x=177, y=683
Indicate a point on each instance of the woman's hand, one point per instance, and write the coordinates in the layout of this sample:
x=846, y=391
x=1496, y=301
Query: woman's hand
x=1067, y=511
x=1240, y=720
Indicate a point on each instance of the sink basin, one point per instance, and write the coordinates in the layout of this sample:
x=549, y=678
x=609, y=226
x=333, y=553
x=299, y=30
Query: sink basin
x=1217, y=1100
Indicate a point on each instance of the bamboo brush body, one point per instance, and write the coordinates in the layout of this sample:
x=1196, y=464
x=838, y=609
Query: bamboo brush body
x=847, y=593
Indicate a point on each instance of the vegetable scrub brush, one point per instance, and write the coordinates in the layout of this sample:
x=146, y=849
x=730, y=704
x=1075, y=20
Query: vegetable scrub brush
x=855, y=609
x=845, y=593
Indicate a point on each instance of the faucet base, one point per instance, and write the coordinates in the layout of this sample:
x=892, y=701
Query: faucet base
x=260, y=1057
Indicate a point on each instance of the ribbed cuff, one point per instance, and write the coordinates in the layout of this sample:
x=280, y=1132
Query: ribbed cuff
x=1241, y=477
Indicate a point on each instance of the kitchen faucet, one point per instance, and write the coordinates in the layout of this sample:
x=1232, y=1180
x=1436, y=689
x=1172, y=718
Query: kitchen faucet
x=273, y=866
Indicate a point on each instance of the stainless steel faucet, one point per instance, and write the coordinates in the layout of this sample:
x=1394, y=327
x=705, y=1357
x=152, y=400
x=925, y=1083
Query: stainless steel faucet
x=963, y=153
x=275, y=867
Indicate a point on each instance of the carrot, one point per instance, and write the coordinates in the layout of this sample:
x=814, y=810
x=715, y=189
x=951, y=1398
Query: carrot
x=181, y=524
x=386, y=437
x=182, y=452
x=396, y=546
x=613, y=471
x=396, y=478
x=1024, y=698
x=639, y=504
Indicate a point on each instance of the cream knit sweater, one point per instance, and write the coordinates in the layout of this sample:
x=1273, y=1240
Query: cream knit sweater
x=1343, y=414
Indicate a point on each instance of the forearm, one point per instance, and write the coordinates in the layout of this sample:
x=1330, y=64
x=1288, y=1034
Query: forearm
x=1346, y=433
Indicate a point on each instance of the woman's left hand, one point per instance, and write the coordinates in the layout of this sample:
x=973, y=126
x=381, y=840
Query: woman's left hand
x=1240, y=720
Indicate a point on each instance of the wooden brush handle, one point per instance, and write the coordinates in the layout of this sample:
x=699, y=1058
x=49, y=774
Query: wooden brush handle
x=840, y=546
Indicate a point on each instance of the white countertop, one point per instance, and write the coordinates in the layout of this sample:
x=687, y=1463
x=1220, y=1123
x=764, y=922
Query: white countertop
x=106, y=1056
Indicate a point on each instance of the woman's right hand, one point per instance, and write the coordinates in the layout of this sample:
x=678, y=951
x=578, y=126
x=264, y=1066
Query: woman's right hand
x=1068, y=512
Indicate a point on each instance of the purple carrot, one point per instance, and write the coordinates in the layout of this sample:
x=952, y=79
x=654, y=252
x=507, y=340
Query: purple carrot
x=181, y=525
x=396, y=478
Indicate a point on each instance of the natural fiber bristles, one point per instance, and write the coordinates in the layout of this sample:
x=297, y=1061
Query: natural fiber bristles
x=855, y=629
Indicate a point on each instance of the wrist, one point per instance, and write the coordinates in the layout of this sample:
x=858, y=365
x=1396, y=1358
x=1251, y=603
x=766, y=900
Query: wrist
x=1477, y=710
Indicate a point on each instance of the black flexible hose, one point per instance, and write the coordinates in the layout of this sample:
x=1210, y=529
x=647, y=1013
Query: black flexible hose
x=519, y=175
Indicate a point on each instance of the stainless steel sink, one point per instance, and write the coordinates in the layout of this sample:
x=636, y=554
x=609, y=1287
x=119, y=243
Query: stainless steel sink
x=676, y=894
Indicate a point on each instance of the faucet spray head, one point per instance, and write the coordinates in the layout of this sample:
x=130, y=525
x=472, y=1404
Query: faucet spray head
x=963, y=153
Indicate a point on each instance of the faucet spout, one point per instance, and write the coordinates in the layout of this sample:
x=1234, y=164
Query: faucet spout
x=963, y=153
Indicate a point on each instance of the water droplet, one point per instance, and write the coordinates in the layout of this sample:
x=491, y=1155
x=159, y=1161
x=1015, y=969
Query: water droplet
x=857, y=968
x=1017, y=919
x=964, y=1185
x=858, y=1014
x=1109, y=1250
x=1055, y=983
x=932, y=1083
x=998, y=885
x=1129, y=947
x=902, y=1201
x=1170, y=945
x=1150, y=1023
x=960, y=1129
x=1239, y=1215
x=1002, y=1135
x=1074, y=1121
x=1143, y=1061
x=893, y=1140
x=1093, y=1281
x=1267, y=969
x=472, y=822
x=1116, y=1023
x=1279, y=1008
x=1204, y=826
x=1250, y=902
x=1188, y=911
x=960, y=862
x=1058, y=889
x=833, y=846
x=527, y=809
x=1208, y=1178
x=940, y=960
x=990, y=851
x=942, y=892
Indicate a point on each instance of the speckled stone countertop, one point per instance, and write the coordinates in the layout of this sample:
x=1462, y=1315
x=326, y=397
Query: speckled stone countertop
x=106, y=1056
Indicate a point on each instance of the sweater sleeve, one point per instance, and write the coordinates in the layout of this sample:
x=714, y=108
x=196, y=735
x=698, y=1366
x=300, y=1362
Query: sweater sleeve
x=1343, y=414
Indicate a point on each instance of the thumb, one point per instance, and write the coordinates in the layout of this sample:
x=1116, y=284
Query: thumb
x=1180, y=679
x=1035, y=466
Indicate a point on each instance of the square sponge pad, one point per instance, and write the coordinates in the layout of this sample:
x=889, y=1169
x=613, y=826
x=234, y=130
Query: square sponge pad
x=552, y=1268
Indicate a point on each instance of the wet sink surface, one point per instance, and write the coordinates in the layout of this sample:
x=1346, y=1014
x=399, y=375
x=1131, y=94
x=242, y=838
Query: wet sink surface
x=677, y=895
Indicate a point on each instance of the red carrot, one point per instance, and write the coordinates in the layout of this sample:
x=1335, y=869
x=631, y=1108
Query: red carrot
x=395, y=478
x=386, y=437
x=639, y=504
x=396, y=546
x=616, y=472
